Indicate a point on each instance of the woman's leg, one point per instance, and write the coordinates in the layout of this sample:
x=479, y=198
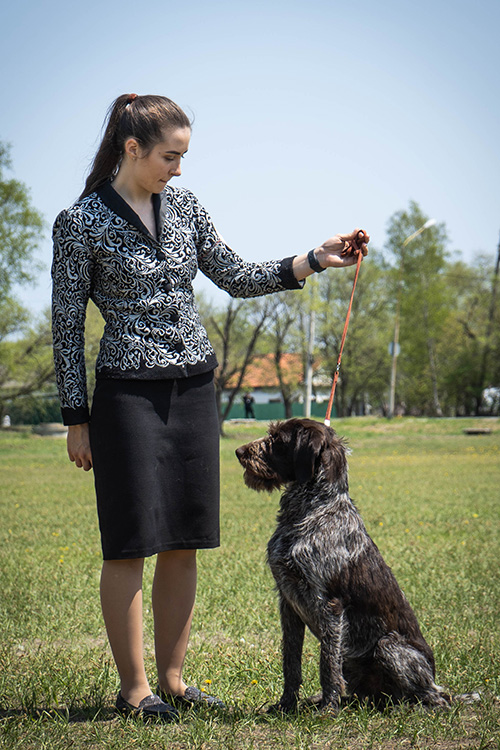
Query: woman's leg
x=121, y=601
x=174, y=591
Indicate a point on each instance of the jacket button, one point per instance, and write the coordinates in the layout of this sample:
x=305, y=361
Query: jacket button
x=179, y=346
x=174, y=316
x=167, y=286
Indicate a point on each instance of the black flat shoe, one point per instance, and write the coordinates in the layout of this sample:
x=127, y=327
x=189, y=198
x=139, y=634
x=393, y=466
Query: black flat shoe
x=193, y=697
x=151, y=707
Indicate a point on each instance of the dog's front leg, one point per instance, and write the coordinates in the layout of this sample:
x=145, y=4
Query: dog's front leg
x=330, y=665
x=293, y=640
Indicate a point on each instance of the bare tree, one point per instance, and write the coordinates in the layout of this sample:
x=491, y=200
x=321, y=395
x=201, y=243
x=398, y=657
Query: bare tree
x=234, y=333
x=26, y=364
x=285, y=336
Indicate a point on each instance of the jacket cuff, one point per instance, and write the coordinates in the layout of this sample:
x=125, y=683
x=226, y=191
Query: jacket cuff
x=79, y=415
x=287, y=275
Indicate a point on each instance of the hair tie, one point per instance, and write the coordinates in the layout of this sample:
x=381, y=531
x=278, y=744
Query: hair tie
x=131, y=98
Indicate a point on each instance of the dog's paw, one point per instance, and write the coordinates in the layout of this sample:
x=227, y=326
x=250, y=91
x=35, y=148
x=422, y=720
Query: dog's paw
x=312, y=701
x=329, y=709
x=467, y=698
x=329, y=704
x=440, y=701
x=282, y=708
x=432, y=703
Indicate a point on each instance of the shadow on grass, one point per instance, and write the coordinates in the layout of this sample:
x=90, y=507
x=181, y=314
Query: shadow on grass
x=99, y=713
x=74, y=715
x=308, y=707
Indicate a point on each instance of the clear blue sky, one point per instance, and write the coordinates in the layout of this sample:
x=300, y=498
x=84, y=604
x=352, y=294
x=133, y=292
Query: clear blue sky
x=310, y=117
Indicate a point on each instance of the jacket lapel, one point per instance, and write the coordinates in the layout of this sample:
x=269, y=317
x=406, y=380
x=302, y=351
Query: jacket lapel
x=121, y=208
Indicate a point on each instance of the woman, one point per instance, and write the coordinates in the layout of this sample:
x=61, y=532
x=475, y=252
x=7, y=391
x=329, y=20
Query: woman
x=133, y=244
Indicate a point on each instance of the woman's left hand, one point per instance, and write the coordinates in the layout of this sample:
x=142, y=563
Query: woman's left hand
x=342, y=249
x=339, y=251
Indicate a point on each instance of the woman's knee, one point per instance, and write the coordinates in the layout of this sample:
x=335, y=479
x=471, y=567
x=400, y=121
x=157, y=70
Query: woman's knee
x=180, y=558
x=118, y=569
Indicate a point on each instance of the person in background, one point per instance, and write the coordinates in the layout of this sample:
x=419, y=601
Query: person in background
x=248, y=402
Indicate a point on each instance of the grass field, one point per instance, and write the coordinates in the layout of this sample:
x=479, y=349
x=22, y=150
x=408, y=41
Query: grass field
x=430, y=497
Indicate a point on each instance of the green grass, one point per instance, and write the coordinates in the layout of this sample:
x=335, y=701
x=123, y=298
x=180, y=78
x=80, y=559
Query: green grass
x=429, y=495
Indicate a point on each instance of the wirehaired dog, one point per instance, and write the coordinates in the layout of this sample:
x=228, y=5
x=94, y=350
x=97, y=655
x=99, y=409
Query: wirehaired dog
x=331, y=577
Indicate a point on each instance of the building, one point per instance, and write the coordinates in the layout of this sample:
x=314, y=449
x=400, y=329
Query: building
x=261, y=380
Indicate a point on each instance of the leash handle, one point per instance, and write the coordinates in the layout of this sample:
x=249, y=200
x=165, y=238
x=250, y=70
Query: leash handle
x=346, y=325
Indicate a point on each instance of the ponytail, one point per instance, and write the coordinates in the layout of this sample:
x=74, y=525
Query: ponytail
x=145, y=118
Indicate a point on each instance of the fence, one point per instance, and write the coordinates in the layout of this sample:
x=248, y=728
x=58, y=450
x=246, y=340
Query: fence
x=268, y=412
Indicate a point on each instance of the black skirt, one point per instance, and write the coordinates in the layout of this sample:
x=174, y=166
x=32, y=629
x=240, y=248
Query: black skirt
x=155, y=452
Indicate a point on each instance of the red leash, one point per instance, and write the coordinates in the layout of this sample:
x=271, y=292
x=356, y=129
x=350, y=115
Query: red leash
x=336, y=376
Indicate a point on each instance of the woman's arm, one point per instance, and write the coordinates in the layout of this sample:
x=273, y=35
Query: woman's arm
x=245, y=279
x=72, y=273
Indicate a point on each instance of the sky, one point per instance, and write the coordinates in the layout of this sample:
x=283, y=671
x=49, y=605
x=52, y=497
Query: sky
x=310, y=118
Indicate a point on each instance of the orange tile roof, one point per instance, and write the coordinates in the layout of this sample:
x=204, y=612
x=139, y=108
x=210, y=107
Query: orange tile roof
x=261, y=372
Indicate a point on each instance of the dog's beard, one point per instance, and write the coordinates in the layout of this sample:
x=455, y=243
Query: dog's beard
x=260, y=483
x=259, y=475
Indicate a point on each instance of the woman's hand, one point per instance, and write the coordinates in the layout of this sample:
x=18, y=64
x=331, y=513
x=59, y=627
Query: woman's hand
x=339, y=251
x=78, y=443
x=342, y=249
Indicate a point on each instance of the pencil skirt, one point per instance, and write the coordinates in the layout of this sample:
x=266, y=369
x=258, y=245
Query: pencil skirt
x=155, y=454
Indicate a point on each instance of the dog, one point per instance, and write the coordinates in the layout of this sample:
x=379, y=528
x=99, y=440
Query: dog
x=332, y=578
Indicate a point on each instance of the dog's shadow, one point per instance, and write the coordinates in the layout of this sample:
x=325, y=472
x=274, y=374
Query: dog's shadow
x=350, y=704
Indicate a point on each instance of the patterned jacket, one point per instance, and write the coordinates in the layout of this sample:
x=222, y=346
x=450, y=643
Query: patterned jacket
x=143, y=289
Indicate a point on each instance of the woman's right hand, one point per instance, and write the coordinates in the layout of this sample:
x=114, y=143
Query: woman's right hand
x=78, y=443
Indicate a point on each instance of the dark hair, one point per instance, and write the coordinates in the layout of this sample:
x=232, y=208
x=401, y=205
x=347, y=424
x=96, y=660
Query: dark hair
x=145, y=118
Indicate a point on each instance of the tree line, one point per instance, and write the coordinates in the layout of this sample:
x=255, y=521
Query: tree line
x=445, y=310
x=449, y=331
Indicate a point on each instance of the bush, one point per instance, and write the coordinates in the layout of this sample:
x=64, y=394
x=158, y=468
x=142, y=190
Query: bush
x=34, y=410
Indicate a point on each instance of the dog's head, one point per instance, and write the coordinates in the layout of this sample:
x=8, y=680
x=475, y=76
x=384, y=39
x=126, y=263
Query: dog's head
x=293, y=451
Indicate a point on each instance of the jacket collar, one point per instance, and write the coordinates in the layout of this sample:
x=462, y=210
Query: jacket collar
x=120, y=207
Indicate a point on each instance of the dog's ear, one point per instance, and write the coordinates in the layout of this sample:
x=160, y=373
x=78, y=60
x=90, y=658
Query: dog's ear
x=317, y=445
x=334, y=457
x=309, y=445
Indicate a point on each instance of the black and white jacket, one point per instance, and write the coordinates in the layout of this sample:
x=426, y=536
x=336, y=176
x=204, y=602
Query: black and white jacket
x=143, y=288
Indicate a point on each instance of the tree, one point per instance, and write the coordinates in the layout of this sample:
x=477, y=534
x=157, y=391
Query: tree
x=470, y=352
x=234, y=333
x=25, y=354
x=26, y=364
x=284, y=334
x=425, y=297
x=489, y=336
x=21, y=229
x=14, y=319
x=94, y=328
x=364, y=374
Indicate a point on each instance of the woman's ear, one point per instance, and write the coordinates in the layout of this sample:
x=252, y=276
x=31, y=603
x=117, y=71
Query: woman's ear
x=132, y=148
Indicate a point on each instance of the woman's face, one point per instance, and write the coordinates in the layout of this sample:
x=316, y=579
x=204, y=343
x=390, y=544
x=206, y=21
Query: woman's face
x=152, y=170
